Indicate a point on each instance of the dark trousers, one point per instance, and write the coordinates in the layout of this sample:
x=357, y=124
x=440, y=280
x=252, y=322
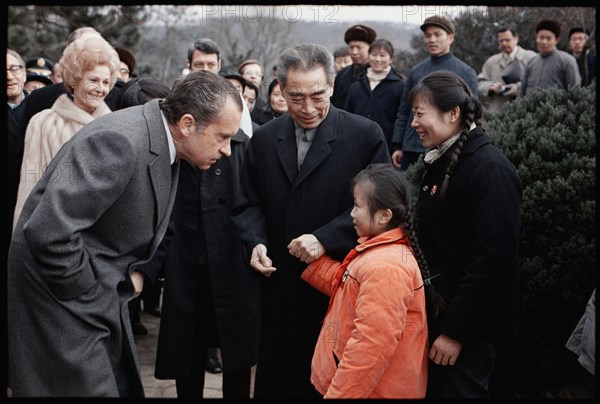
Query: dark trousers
x=468, y=378
x=235, y=385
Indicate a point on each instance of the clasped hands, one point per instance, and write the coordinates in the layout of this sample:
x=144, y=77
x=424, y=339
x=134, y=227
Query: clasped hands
x=506, y=90
x=306, y=248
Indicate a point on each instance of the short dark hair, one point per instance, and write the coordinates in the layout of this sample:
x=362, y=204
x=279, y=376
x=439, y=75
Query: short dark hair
x=575, y=30
x=383, y=44
x=140, y=90
x=341, y=52
x=201, y=94
x=204, y=45
x=508, y=27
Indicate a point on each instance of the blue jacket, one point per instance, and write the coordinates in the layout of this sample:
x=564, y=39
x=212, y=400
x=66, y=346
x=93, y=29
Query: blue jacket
x=405, y=137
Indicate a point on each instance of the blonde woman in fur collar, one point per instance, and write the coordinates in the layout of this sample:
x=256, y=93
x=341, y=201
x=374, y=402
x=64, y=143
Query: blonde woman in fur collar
x=90, y=68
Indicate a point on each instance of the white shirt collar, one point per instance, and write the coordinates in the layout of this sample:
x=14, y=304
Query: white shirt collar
x=435, y=153
x=172, y=152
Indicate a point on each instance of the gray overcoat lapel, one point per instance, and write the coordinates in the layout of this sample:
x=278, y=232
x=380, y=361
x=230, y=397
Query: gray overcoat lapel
x=160, y=175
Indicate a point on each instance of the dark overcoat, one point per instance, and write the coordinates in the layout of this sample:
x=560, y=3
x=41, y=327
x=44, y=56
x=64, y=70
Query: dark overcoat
x=278, y=204
x=100, y=209
x=233, y=284
x=380, y=104
x=471, y=239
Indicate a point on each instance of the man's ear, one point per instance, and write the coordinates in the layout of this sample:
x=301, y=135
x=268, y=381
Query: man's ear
x=186, y=125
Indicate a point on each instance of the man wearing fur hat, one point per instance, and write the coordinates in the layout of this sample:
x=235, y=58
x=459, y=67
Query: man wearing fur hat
x=551, y=67
x=358, y=38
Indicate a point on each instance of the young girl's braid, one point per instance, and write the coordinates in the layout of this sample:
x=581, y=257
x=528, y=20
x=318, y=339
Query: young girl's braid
x=391, y=190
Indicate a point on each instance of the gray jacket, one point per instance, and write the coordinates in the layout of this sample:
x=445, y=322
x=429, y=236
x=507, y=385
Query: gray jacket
x=100, y=209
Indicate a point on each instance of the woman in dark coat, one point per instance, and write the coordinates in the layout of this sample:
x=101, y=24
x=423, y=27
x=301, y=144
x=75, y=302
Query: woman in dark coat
x=206, y=275
x=467, y=221
x=377, y=94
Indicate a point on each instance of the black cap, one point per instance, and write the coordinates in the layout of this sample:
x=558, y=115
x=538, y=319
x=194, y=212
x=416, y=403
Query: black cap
x=41, y=66
x=235, y=76
x=38, y=77
x=575, y=30
x=549, y=25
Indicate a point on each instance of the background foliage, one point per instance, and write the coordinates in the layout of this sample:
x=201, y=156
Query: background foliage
x=551, y=139
x=159, y=36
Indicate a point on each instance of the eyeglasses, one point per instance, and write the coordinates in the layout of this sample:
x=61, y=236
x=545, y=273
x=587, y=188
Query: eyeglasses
x=15, y=69
x=252, y=73
x=124, y=71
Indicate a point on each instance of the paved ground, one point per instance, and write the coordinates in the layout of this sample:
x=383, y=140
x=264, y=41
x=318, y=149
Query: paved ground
x=154, y=388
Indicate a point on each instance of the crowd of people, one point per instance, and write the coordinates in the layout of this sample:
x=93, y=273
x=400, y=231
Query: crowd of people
x=271, y=228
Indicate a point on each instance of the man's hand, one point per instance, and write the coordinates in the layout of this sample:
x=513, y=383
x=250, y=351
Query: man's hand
x=396, y=158
x=138, y=283
x=511, y=90
x=306, y=248
x=260, y=262
x=445, y=350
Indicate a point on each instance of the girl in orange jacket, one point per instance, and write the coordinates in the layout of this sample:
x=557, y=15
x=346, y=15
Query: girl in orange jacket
x=374, y=341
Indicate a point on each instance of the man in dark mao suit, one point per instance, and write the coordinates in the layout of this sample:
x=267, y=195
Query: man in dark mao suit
x=100, y=210
x=296, y=194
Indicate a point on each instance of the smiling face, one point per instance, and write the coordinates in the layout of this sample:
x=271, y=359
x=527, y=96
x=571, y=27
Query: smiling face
x=14, y=81
x=365, y=223
x=433, y=126
x=92, y=89
x=203, y=146
x=437, y=40
x=379, y=60
x=277, y=101
x=307, y=94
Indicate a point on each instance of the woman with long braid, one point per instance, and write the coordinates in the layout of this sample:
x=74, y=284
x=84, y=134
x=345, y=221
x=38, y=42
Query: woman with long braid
x=373, y=342
x=467, y=220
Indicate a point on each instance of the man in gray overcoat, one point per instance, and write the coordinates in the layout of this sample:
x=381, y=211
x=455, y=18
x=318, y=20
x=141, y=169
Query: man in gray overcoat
x=99, y=211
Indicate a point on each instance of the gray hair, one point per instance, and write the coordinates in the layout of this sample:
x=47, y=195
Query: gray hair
x=16, y=55
x=305, y=57
x=201, y=94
